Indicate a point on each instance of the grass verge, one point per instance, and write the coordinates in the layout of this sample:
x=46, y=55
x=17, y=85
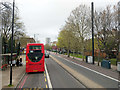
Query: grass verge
x=113, y=60
x=10, y=85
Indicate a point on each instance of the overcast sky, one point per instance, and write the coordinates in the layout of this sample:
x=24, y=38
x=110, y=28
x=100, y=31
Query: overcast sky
x=44, y=18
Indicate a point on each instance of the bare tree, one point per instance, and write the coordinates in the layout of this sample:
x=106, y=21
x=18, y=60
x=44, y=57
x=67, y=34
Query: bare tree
x=106, y=31
x=6, y=23
x=80, y=18
x=6, y=16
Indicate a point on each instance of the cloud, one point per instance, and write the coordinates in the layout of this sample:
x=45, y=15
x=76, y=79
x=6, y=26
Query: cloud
x=45, y=17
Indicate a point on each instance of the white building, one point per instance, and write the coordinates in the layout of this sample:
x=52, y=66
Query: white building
x=48, y=41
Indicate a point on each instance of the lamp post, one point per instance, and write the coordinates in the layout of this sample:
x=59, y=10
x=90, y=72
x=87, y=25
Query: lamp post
x=119, y=25
x=118, y=33
x=35, y=38
x=92, y=18
x=12, y=43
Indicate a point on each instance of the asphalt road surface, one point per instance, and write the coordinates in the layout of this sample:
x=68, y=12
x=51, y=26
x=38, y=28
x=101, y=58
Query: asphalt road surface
x=92, y=76
x=59, y=77
x=34, y=80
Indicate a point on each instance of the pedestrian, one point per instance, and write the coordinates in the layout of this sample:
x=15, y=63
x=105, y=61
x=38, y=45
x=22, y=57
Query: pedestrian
x=20, y=62
x=17, y=63
x=20, y=59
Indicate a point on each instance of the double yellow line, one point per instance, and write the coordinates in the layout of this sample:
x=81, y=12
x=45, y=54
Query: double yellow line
x=45, y=79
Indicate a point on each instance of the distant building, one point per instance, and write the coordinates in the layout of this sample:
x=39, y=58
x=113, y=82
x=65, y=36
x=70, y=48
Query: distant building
x=54, y=45
x=48, y=41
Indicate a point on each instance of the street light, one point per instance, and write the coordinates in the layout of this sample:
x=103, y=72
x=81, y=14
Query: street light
x=35, y=37
x=118, y=33
x=12, y=43
x=92, y=18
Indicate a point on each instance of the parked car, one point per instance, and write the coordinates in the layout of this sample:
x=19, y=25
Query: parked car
x=13, y=62
x=46, y=54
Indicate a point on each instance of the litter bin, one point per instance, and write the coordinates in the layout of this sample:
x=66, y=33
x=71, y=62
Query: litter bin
x=106, y=64
x=90, y=59
x=118, y=66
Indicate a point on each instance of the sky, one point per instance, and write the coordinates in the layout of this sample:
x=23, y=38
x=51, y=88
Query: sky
x=44, y=18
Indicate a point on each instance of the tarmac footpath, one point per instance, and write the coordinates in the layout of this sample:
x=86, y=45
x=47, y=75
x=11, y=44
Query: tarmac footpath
x=17, y=74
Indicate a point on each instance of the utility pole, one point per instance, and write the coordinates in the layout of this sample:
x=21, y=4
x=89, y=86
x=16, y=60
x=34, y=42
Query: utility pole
x=119, y=25
x=118, y=33
x=12, y=43
x=36, y=40
x=92, y=18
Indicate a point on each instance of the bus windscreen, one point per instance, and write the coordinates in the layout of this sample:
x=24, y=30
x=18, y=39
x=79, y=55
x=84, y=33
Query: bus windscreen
x=35, y=55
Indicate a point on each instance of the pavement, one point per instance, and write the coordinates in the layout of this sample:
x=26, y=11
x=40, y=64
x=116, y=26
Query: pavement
x=113, y=67
x=17, y=74
x=0, y=80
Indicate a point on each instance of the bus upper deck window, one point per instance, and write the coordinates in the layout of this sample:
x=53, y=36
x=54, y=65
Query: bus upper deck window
x=35, y=47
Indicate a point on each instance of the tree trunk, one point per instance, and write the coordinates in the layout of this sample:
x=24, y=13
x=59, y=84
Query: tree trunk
x=73, y=54
x=68, y=53
x=83, y=49
x=98, y=57
x=117, y=57
x=83, y=56
x=83, y=52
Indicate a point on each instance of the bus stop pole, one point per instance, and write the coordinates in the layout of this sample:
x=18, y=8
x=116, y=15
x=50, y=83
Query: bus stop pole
x=12, y=43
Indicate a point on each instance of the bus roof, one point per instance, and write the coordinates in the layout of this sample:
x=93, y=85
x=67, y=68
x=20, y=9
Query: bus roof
x=34, y=44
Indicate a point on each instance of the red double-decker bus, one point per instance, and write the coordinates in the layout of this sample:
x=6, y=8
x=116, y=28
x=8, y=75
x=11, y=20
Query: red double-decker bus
x=35, y=57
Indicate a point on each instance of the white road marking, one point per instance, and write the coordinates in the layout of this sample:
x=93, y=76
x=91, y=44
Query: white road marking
x=48, y=78
x=91, y=70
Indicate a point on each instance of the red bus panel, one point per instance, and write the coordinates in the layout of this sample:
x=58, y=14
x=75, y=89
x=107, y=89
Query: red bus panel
x=35, y=57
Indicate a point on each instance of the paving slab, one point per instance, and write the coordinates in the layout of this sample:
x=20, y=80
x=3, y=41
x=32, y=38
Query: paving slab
x=17, y=73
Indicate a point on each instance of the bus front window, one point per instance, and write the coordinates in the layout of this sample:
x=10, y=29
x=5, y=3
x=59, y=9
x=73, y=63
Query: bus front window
x=35, y=54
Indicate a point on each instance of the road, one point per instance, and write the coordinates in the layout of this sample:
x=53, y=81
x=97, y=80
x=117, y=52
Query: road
x=91, y=77
x=66, y=74
x=34, y=80
x=59, y=78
